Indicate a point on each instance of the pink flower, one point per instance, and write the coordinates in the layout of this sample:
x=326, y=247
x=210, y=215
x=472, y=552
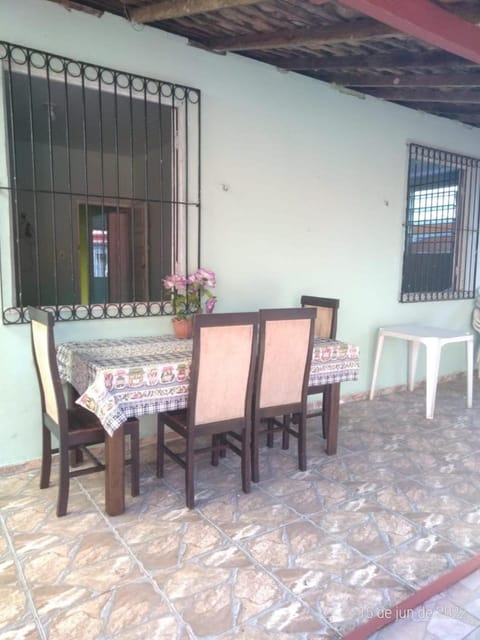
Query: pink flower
x=205, y=277
x=210, y=304
x=174, y=282
x=188, y=295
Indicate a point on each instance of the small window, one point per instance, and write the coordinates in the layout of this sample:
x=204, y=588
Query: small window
x=441, y=227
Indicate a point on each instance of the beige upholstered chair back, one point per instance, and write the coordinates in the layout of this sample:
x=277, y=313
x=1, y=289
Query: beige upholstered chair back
x=44, y=355
x=224, y=366
x=323, y=321
x=285, y=356
x=327, y=311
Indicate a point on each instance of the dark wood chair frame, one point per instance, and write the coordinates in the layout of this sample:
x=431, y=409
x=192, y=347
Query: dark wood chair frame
x=225, y=434
x=293, y=421
x=76, y=429
x=325, y=390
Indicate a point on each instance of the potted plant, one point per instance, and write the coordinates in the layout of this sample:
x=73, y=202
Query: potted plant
x=190, y=294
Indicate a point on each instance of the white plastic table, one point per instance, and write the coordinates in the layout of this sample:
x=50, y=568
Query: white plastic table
x=433, y=338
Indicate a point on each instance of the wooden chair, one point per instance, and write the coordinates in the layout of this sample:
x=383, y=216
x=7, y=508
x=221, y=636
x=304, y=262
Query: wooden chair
x=75, y=429
x=220, y=396
x=281, y=381
x=325, y=327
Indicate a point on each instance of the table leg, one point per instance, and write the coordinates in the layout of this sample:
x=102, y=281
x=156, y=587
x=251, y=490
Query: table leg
x=433, y=361
x=469, y=345
x=71, y=394
x=378, y=353
x=414, y=346
x=115, y=473
x=333, y=405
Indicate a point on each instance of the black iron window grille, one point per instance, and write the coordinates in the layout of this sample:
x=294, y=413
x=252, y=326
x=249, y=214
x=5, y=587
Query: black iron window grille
x=99, y=187
x=441, y=226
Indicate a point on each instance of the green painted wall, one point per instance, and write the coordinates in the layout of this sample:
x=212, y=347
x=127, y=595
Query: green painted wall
x=303, y=192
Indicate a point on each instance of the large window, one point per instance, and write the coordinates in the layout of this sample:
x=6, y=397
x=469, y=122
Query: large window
x=99, y=187
x=441, y=228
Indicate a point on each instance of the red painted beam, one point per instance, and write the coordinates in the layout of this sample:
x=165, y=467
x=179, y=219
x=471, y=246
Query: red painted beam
x=426, y=21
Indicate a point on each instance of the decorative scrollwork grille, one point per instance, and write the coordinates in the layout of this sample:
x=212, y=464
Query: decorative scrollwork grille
x=99, y=187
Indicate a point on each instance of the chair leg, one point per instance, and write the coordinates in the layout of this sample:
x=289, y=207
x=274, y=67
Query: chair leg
x=302, y=442
x=285, y=434
x=189, y=471
x=270, y=433
x=46, y=458
x=246, y=438
x=135, y=465
x=216, y=441
x=325, y=412
x=223, y=450
x=64, y=482
x=160, y=449
x=254, y=452
x=76, y=456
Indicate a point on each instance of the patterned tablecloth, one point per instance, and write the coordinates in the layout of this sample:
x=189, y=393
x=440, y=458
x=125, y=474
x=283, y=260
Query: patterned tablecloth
x=122, y=378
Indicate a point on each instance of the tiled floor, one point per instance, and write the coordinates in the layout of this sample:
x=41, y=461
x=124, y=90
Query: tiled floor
x=304, y=556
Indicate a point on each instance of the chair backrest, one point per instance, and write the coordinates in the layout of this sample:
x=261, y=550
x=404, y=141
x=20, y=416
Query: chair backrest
x=43, y=349
x=327, y=311
x=223, y=367
x=285, y=353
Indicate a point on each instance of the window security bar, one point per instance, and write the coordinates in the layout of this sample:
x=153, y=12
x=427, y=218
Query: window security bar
x=441, y=226
x=103, y=187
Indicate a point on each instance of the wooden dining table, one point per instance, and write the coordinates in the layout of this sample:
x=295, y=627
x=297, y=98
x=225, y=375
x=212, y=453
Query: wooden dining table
x=132, y=377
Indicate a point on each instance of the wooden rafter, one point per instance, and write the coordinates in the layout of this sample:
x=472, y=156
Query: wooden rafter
x=343, y=44
x=471, y=119
x=427, y=95
x=71, y=4
x=341, y=32
x=393, y=80
x=446, y=107
x=424, y=20
x=379, y=61
x=169, y=9
x=346, y=32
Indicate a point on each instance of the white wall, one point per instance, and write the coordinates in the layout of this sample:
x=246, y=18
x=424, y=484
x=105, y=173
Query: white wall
x=303, y=192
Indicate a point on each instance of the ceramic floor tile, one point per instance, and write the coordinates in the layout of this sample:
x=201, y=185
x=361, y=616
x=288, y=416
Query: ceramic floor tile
x=419, y=564
x=78, y=622
x=138, y=604
x=304, y=556
x=14, y=604
x=293, y=618
x=24, y=630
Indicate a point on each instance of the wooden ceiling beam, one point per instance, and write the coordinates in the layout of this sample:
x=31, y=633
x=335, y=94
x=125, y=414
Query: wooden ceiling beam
x=452, y=113
x=468, y=12
x=379, y=61
x=445, y=107
x=393, y=80
x=426, y=21
x=352, y=31
x=474, y=120
x=71, y=4
x=426, y=95
x=341, y=32
x=170, y=9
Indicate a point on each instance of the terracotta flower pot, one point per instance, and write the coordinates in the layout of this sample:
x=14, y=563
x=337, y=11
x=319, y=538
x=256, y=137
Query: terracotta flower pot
x=182, y=327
